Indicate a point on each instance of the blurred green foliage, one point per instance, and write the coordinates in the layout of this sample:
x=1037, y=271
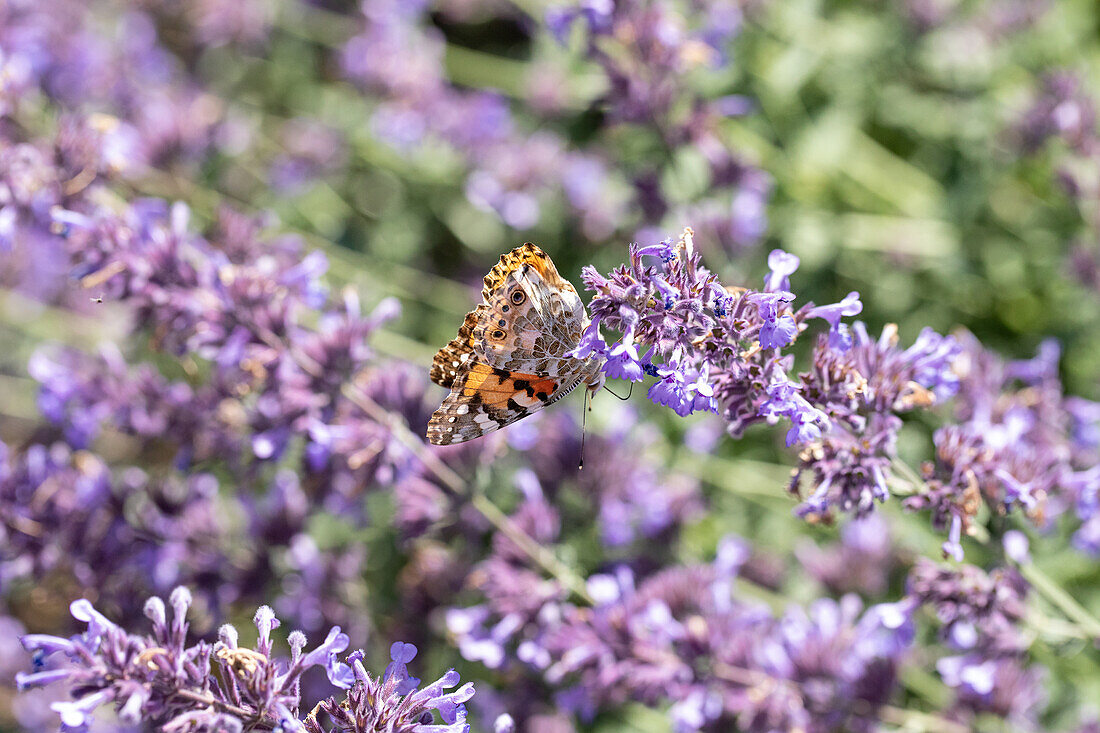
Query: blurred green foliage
x=895, y=172
x=895, y=175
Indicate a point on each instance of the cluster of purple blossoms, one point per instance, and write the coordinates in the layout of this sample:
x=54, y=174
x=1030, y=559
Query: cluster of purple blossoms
x=65, y=519
x=392, y=702
x=509, y=173
x=979, y=615
x=262, y=352
x=649, y=88
x=160, y=680
x=639, y=520
x=648, y=53
x=720, y=349
x=862, y=388
x=659, y=46
x=975, y=609
x=86, y=59
x=1016, y=442
x=241, y=308
x=682, y=636
x=153, y=110
x=712, y=348
x=36, y=179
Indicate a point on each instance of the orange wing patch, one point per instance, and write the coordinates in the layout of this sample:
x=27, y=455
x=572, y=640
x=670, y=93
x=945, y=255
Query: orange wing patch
x=493, y=386
x=484, y=399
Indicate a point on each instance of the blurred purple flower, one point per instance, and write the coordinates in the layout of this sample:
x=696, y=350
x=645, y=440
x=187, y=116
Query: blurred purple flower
x=158, y=679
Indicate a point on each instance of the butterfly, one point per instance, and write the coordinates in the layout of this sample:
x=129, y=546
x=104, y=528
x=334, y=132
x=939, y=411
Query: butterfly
x=510, y=357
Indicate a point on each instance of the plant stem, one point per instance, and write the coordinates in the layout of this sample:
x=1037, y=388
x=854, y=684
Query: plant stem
x=916, y=720
x=208, y=699
x=1061, y=599
x=540, y=555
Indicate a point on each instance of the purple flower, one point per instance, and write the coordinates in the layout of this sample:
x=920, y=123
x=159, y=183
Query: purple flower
x=400, y=655
x=805, y=426
x=838, y=332
x=391, y=703
x=777, y=331
x=623, y=363
x=977, y=610
x=160, y=680
x=701, y=393
x=591, y=343
x=695, y=331
x=669, y=391
x=682, y=636
x=998, y=686
x=784, y=400
x=1013, y=448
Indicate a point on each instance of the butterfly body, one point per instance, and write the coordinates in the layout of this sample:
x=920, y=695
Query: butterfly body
x=510, y=357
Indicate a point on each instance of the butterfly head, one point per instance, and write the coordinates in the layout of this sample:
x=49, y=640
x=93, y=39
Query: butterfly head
x=596, y=381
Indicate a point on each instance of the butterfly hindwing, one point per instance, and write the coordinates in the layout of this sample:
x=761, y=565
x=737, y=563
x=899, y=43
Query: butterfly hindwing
x=451, y=359
x=484, y=399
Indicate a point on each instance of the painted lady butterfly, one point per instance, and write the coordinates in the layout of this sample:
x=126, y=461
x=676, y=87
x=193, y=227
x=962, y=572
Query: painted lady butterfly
x=509, y=358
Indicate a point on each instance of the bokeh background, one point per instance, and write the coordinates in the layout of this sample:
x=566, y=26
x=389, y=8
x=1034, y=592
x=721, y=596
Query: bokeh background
x=941, y=158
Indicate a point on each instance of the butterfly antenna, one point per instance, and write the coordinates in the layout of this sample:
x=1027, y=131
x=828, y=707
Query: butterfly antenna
x=624, y=399
x=584, y=423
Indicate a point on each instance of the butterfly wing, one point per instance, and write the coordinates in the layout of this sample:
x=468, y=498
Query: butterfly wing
x=452, y=359
x=484, y=398
x=509, y=358
x=532, y=319
x=531, y=335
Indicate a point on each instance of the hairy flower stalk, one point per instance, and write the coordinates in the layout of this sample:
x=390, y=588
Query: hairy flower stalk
x=160, y=680
x=392, y=702
x=721, y=349
x=1017, y=444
